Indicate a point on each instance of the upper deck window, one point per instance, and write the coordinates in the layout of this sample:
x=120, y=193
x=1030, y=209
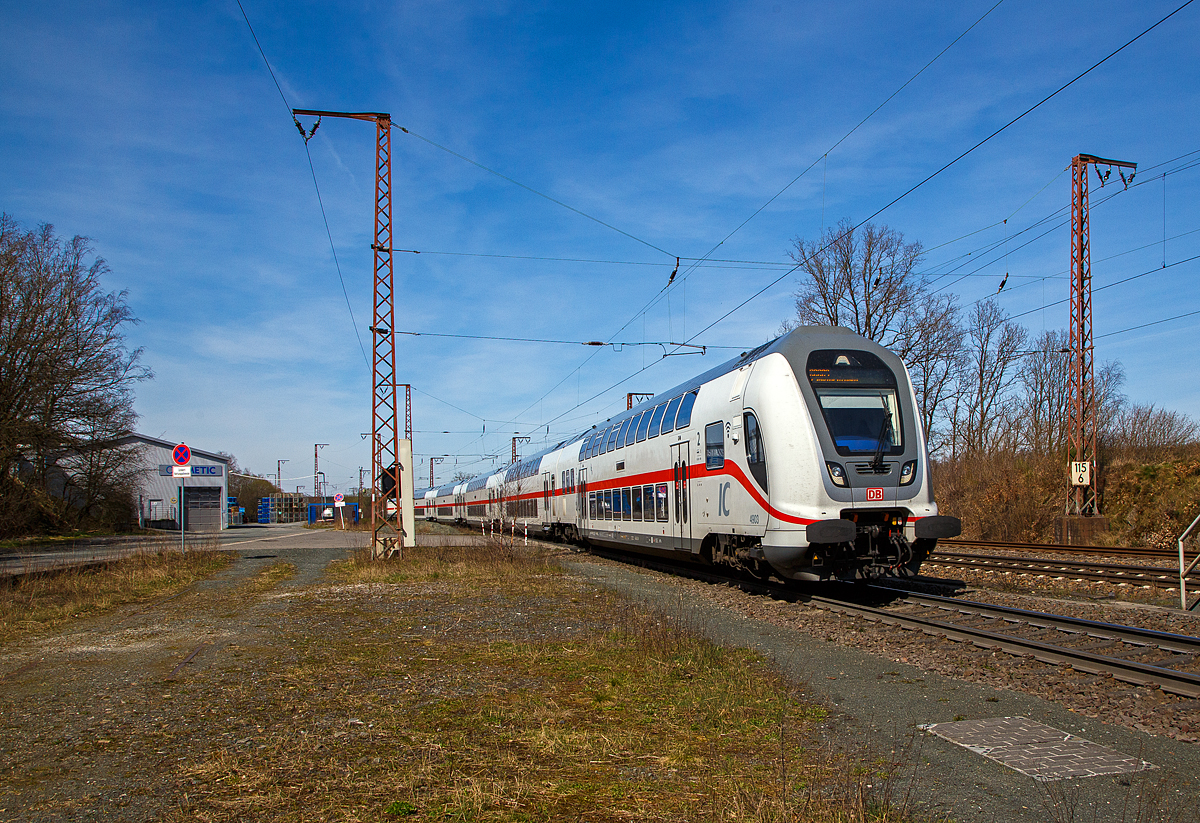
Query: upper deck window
x=613, y=431
x=684, y=417
x=668, y=421
x=859, y=401
x=656, y=419
x=632, y=430
x=643, y=426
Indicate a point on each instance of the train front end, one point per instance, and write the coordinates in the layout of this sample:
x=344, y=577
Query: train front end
x=853, y=498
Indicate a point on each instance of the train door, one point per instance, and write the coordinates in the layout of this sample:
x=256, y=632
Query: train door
x=547, y=498
x=582, y=500
x=681, y=497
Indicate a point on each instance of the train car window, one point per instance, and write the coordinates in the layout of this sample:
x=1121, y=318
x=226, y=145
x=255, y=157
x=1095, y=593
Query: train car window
x=643, y=426
x=608, y=505
x=656, y=419
x=626, y=511
x=621, y=435
x=756, y=454
x=584, y=446
x=661, y=511
x=591, y=505
x=635, y=501
x=668, y=421
x=684, y=418
x=633, y=424
x=714, y=445
x=611, y=443
x=601, y=446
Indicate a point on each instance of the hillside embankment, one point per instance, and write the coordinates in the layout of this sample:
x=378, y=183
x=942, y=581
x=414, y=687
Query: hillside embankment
x=1149, y=498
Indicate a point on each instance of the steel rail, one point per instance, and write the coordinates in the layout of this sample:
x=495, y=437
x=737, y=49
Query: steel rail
x=1107, y=572
x=1129, y=671
x=1104, y=551
x=1168, y=641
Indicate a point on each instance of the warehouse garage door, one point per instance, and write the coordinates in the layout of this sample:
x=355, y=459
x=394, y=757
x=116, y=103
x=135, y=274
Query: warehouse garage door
x=203, y=508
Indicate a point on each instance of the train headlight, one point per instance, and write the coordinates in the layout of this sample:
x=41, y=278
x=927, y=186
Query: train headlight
x=836, y=473
x=908, y=472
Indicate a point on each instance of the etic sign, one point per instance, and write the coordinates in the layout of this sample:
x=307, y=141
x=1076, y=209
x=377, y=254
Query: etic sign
x=182, y=455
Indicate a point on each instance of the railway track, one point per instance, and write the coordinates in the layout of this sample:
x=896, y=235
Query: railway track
x=959, y=544
x=1133, y=575
x=1140, y=657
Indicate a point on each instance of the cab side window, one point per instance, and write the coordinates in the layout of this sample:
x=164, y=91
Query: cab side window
x=714, y=445
x=756, y=454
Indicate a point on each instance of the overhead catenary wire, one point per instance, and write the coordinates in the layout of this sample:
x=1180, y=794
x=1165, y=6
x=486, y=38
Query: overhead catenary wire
x=1120, y=282
x=1147, y=325
x=921, y=183
x=943, y=168
x=556, y=342
x=532, y=190
x=324, y=218
x=696, y=261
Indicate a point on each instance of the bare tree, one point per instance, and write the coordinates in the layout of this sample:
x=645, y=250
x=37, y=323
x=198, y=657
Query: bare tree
x=864, y=279
x=935, y=359
x=994, y=345
x=1044, y=377
x=1151, y=430
x=66, y=375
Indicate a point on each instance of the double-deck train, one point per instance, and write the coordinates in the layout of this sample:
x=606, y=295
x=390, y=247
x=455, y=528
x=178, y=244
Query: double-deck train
x=803, y=458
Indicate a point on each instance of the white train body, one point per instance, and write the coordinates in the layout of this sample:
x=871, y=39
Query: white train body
x=804, y=458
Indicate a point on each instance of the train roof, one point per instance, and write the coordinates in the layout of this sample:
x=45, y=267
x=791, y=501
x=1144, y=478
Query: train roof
x=794, y=345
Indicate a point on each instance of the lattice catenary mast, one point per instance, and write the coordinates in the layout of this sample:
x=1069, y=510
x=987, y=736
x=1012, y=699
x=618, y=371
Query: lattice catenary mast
x=1081, y=402
x=385, y=430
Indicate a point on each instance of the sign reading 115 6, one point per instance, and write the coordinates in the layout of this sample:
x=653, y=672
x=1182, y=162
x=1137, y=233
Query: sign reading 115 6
x=1081, y=473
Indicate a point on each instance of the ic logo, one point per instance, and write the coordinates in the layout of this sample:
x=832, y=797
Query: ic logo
x=874, y=495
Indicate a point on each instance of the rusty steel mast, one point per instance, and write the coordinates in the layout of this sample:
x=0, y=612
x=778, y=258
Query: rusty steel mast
x=385, y=431
x=1081, y=385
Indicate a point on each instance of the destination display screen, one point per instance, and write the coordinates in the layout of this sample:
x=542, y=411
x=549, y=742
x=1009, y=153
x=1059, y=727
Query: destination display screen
x=833, y=367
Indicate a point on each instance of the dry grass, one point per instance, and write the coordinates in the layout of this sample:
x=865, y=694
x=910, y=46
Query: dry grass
x=270, y=577
x=38, y=602
x=484, y=684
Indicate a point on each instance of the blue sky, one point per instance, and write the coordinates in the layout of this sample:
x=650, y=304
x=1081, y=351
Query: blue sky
x=156, y=130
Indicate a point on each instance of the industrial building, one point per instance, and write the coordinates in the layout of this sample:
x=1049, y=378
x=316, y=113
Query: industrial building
x=205, y=492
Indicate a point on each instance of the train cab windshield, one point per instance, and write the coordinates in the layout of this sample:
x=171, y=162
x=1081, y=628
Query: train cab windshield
x=858, y=397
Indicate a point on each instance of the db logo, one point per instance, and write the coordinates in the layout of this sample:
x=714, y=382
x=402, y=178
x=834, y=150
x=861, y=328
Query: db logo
x=874, y=494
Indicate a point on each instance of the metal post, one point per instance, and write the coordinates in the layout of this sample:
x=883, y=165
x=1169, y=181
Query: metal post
x=316, y=467
x=182, y=517
x=385, y=431
x=1184, y=572
x=1081, y=389
x=515, y=441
